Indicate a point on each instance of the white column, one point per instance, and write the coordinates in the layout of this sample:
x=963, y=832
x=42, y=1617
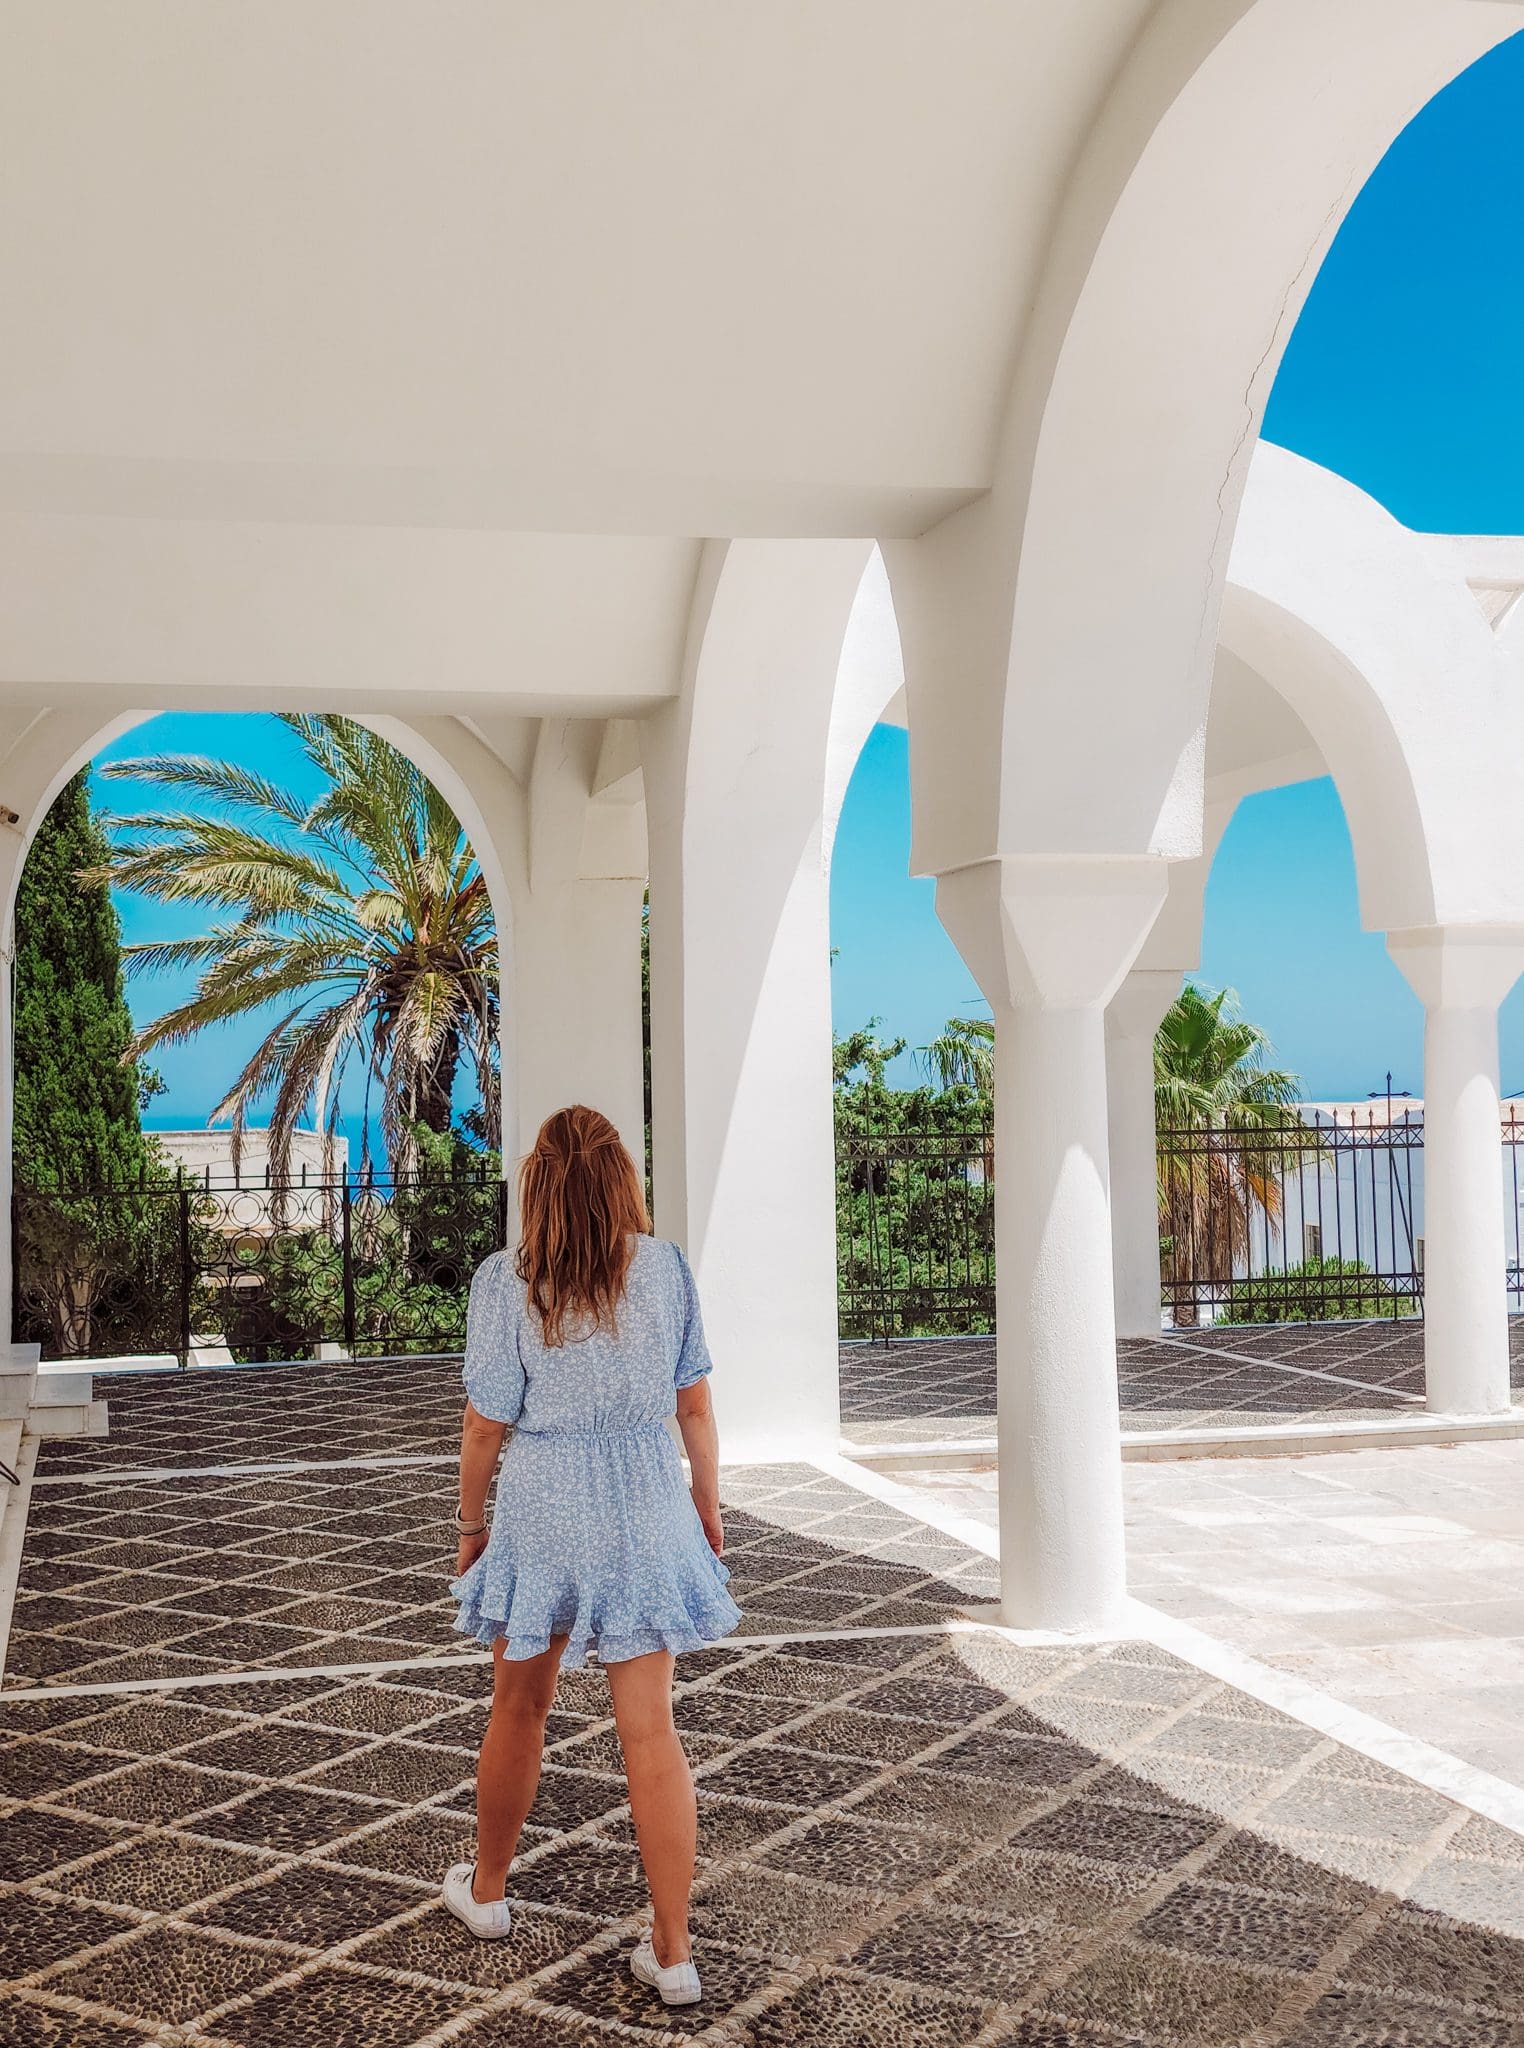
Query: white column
x=736, y=780
x=1049, y=942
x=1461, y=974
x=742, y=1131
x=574, y=872
x=575, y=993
x=1133, y=1017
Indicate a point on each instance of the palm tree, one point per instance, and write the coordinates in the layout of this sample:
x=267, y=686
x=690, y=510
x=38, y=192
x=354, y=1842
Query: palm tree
x=1222, y=1114
x=362, y=916
x=962, y=1055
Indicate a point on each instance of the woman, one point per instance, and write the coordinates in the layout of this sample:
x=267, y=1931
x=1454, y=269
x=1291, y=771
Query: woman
x=584, y=1343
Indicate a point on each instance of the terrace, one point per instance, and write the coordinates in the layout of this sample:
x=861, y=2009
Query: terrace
x=237, y=1739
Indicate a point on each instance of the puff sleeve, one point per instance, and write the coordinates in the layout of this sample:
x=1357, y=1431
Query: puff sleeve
x=693, y=1360
x=494, y=1371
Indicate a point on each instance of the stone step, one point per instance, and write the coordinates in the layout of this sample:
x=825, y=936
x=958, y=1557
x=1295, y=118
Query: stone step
x=63, y=1401
x=60, y=1385
x=67, y=1418
x=18, y=1380
x=1265, y=1440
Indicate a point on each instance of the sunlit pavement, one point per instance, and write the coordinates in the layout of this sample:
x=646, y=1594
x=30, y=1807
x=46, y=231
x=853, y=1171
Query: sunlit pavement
x=1392, y=1579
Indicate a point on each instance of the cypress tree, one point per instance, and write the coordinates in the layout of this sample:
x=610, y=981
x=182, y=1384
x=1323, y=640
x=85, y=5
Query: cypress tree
x=96, y=1245
x=77, y=1111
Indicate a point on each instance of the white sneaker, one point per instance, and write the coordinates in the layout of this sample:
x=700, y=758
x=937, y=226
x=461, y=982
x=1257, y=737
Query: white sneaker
x=678, y=1984
x=489, y=1922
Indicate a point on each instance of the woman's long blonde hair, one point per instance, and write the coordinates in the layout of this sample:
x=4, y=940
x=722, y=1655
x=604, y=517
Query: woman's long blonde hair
x=580, y=1204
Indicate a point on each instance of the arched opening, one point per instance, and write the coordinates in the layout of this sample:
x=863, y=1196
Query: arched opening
x=1288, y=1083
x=913, y=1147
x=305, y=1160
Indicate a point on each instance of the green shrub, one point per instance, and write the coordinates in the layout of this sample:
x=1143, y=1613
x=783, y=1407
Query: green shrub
x=1317, y=1291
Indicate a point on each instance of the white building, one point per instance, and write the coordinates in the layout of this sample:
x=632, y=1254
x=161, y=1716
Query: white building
x=618, y=407
x=207, y=1155
x=1358, y=1195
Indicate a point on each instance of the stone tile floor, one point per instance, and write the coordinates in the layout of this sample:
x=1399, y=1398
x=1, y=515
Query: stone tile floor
x=932, y=1389
x=176, y=1418
x=1392, y=1579
x=914, y=1831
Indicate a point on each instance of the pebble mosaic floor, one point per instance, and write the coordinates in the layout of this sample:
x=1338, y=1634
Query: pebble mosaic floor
x=924, y=1390
x=914, y=1832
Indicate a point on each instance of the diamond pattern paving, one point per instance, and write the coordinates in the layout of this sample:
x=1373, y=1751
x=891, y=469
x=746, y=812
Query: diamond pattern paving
x=909, y=1835
x=938, y=1389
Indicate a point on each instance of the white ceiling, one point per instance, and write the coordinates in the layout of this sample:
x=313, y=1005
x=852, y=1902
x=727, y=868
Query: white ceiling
x=703, y=266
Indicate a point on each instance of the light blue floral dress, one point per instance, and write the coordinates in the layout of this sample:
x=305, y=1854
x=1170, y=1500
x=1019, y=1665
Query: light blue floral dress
x=595, y=1535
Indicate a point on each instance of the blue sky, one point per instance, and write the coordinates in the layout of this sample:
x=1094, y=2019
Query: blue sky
x=1404, y=375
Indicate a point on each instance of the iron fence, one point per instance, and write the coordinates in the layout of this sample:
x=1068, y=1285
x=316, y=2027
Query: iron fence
x=244, y=1273
x=1319, y=1217
x=915, y=1232
x=1298, y=1218
x=1315, y=1216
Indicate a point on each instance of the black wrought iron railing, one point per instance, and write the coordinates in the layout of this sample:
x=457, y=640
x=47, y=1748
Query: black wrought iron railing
x=1295, y=1218
x=244, y=1273
x=1315, y=1215
x=915, y=1232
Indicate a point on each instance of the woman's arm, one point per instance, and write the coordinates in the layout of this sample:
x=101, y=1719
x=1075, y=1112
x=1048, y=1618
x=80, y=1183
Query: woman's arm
x=701, y=1440
x=481, y=1445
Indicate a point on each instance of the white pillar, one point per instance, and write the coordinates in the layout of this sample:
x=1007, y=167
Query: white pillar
x=736, y=779
x=1049, y=942
x=574, y=867
x=742, y=1131
x=575, y=995
x=1461, y=974
x=1133, y=1016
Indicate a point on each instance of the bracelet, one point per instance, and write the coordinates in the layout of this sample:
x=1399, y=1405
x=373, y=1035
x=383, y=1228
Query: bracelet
x=465, y=1528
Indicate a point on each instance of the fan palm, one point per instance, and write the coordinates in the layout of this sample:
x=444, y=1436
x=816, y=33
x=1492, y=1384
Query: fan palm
x=362, y=917
x=1221, y=1112
x=962, y=1055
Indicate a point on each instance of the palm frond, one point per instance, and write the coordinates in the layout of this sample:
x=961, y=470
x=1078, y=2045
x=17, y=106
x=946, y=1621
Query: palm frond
x=962, y=1055
x=226, y=781
x=361, y=919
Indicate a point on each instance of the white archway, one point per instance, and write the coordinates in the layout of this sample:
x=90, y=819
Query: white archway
x=1064, y=626
x=1372, y=637
x=51, y=747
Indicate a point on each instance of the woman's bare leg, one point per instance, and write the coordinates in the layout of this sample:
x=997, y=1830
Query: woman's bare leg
x=661, y=1795
x=508, y=1773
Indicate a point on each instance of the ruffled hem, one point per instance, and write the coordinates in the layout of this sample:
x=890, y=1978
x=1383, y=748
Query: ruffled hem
x=710, y=1615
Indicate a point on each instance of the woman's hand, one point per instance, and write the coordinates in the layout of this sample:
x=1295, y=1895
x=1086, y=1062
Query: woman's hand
x=471, y=1548
x=695, y=1419
x=714, y=1527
